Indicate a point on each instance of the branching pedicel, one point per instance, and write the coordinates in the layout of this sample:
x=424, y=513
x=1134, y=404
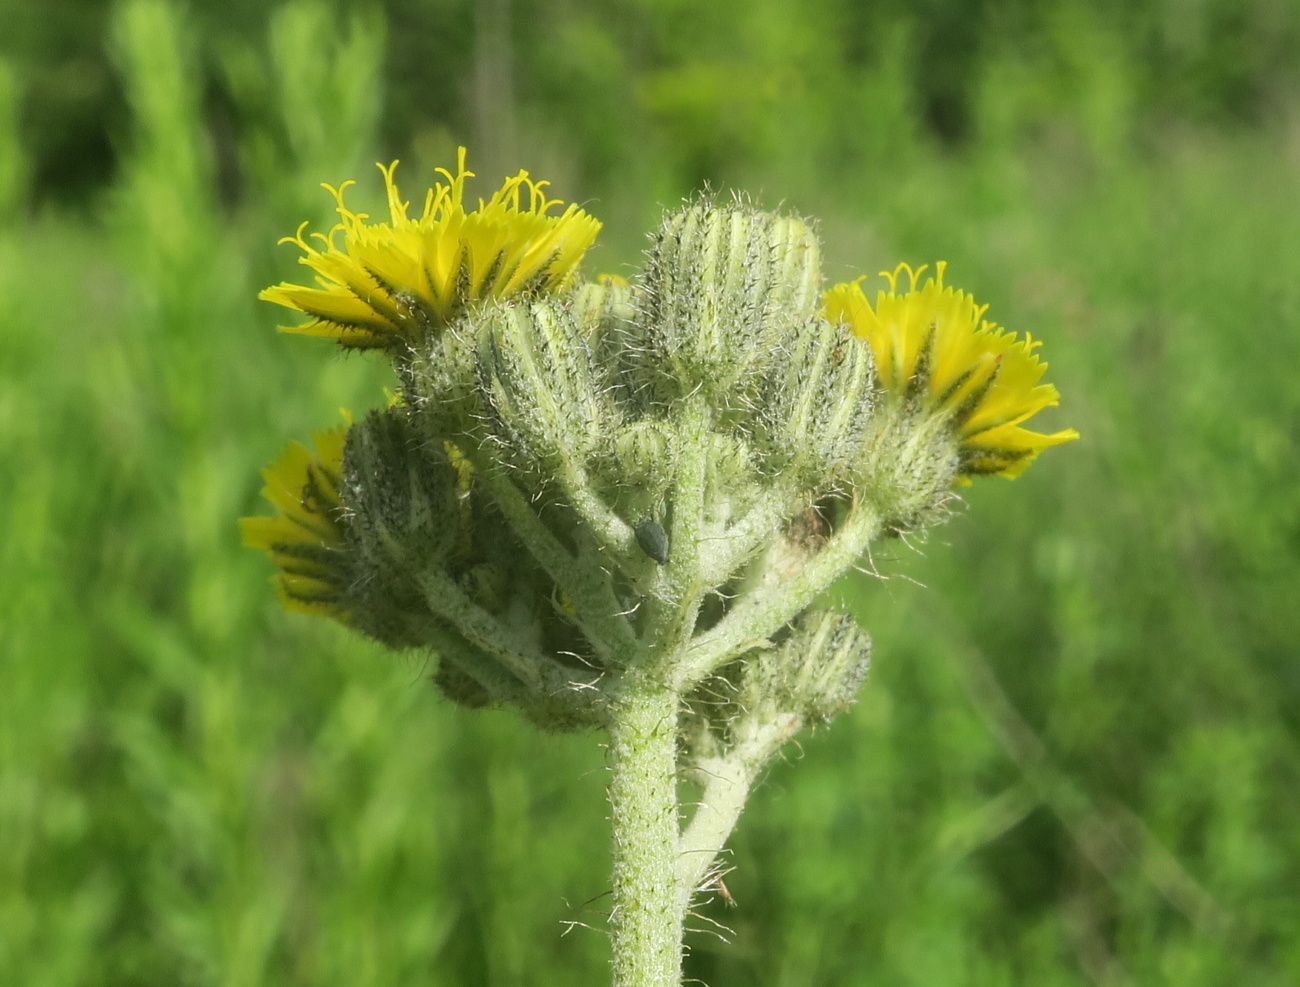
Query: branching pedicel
x=615, y=505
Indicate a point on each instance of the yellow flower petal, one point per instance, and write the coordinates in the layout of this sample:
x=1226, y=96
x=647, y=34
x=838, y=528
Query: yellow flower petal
x=305, y=540
x=933, y=346
x=387, y=284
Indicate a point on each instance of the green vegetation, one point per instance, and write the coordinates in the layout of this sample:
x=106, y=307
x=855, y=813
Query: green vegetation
x=1076, y=756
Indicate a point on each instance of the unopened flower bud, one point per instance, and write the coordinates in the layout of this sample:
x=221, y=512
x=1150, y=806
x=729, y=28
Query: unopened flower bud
x=640, y=458
x=400, y=498
x=721, y=283
x=536, y=377
x=816, y=671
x=816, y=403
x=731, y=478
x=439, y=384
x=908, y=464
x=602, y=308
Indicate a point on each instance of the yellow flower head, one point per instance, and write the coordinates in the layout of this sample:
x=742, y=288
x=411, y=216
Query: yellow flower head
x=306, y=539
x=933, y=348
x=386, y=285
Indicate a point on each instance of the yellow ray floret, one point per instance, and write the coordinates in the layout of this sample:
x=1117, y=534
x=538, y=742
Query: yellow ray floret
x=933, y=347
x=388, y=284
x=306, y=539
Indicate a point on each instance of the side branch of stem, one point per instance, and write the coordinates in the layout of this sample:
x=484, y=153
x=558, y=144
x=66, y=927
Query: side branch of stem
x=727, y=780
x=597, y=606
x=536, y=670
x=762, y=612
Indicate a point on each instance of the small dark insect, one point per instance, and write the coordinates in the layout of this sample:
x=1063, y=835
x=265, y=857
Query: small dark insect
x=652, y=538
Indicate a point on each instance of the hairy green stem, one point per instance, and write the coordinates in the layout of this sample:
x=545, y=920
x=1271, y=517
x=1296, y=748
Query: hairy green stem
x=745, y=537
x=610, y=531
x=647, y=917
x=536, y=670
x=765, y=609
x=676, y=599
x=726, y=781
x=721, y=802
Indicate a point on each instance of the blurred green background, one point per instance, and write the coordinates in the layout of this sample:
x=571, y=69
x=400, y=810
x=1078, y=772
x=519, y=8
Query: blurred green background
x=1076, y=760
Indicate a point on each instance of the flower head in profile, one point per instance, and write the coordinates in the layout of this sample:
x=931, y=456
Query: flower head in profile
x=306, y=539
x=935, y=351
x=387, y=285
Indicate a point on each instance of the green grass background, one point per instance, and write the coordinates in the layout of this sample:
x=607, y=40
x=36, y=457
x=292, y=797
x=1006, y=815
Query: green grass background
x=1076, y=759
